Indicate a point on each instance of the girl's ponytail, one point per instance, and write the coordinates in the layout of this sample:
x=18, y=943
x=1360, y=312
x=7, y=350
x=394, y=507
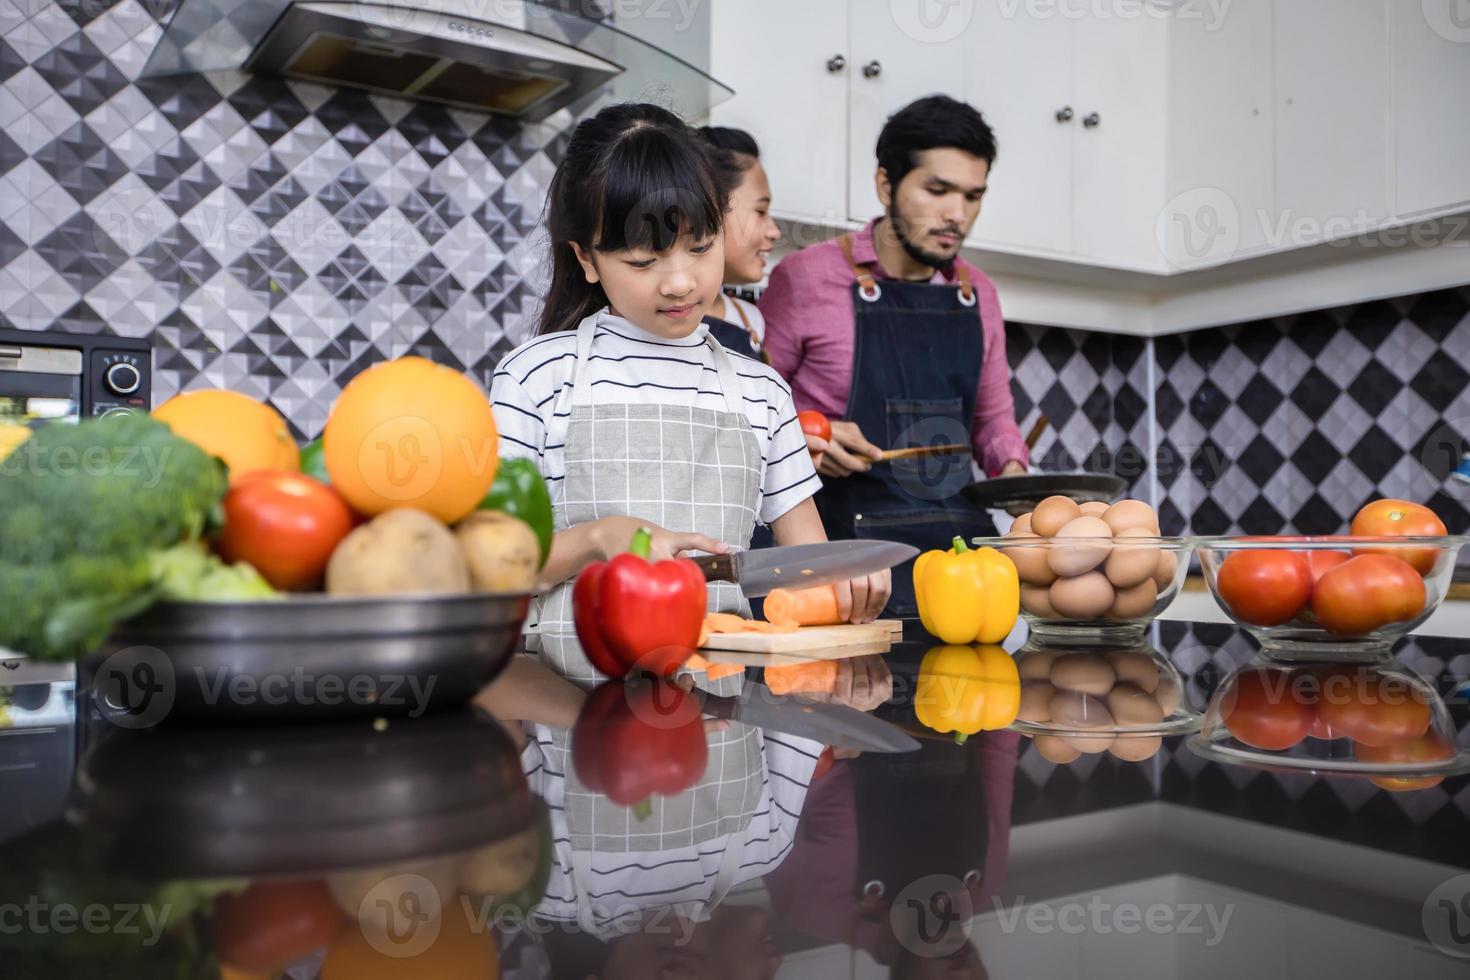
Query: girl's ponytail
x=633, y=176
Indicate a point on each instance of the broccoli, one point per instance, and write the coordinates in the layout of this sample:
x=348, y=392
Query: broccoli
x=84, y=508
x=187, y=572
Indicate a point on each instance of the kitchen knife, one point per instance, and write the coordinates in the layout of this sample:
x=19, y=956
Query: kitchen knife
x=831, y=724
x=803, y=566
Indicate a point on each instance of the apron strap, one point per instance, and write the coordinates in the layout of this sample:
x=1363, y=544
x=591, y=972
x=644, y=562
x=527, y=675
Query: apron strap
x=725, y=368
x=581, y=377
x=868, y=286
x=967, y=288
x=755, y=342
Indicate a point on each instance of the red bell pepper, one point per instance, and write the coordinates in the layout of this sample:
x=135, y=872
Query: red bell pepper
x=635, y=614
x=638, y=738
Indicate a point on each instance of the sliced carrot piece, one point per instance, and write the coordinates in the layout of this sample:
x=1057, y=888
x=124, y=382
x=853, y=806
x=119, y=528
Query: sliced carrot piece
x=713, y=671
x=812, y=677
x=803, y=607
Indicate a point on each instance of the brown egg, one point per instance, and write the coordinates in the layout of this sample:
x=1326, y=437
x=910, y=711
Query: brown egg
x=1074, y=710
x=1083, y=597
x=1022, y=523
x=1084, y=673
x=1030, y=558
x=1164, y=574
x=1035, y=665
x=1135, y=668
x=1036, y=600
x=1052, y=514
x=1089, y=744
x=1036, y=701
x=1129, y=564
x=1135, y=602
x=1138, y=748
x=1093, y=508
x=1133, y=707
x=1167, y=694
x=1131, y=513
x=1055, y=749
x=1074, y=559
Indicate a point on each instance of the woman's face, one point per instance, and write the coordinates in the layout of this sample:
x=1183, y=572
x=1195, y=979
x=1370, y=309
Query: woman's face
x=665, y=293
x=750, y=231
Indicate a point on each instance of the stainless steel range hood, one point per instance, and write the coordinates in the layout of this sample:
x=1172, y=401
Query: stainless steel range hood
x=522, y=58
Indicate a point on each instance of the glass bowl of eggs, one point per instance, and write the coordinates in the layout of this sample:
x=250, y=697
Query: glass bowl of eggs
x=1093, y=571
x=1122, y=700
x=1381, y=721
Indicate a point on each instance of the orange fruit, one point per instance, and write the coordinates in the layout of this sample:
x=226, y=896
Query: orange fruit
x=412, y=433
x=248, y=435
x=446, y=949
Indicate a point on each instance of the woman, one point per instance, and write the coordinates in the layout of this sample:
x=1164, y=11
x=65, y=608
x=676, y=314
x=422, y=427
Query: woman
x=750, y=235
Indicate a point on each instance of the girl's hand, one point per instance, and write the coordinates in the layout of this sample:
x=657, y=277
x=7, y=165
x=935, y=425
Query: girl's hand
x=611, y=536
x=862, y=599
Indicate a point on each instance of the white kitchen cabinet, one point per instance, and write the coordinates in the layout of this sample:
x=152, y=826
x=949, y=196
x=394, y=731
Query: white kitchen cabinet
x=1332, y=120
x=902, y=50
x=1431, y=67
x=1221, y=139
x=791, y=95
x=1029, y=204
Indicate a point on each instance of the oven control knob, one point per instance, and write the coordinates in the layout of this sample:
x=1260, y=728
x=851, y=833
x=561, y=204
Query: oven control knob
x=123, y=379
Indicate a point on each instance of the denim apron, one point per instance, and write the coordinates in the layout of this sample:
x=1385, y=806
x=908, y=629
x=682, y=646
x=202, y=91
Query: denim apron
x=917, y=353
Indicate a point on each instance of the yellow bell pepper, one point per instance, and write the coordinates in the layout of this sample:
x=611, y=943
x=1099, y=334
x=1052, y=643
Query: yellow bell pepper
x=967, y=596
x=967, y=690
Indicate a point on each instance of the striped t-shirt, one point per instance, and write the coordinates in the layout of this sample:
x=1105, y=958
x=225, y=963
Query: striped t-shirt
x=532, y=395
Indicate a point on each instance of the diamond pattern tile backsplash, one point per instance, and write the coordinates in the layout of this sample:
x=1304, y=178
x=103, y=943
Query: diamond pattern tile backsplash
x=269, y=236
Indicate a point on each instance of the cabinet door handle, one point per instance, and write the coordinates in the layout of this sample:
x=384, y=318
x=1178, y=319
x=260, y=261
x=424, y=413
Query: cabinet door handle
x=1065, y=114
x=872, y=69
x=836, y=63
x=1092, y=121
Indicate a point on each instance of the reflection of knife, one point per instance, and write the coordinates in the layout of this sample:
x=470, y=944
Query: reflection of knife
x=831, y=724
x=802, y=566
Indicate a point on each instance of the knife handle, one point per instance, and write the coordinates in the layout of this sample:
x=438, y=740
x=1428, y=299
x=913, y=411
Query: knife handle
x=717, y=568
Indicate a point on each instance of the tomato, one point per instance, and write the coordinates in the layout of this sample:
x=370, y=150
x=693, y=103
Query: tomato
x=1429, y=747
x=815, y=424
x=1264, y=588
x=1263, y=709
x=1397, y=518
x=272, y=923
x=1372, y=709
x=1367, y=592
x=1320, y=562
x=286, y=525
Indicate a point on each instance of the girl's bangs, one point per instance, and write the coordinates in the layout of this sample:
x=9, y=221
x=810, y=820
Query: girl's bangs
x=654, y=192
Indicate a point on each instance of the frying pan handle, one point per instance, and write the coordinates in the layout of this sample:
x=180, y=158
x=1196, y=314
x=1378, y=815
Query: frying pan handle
x=717, y=568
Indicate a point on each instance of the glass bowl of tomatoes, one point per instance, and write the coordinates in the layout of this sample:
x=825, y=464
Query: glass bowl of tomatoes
x=1380, y=721
x=1118, y=699
x=1338, y=596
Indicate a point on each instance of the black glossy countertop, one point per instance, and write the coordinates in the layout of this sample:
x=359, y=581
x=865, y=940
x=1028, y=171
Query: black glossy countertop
x=954, y=861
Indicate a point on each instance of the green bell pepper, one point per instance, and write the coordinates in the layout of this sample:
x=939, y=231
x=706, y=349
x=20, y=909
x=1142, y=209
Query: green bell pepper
x=519, y=491
x=313, y=464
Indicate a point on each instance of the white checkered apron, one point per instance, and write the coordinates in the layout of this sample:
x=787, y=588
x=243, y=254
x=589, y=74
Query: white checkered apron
x=685, y=469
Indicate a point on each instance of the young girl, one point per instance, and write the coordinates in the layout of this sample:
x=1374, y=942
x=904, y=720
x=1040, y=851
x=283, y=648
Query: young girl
x=637, y=417
x=750, y=236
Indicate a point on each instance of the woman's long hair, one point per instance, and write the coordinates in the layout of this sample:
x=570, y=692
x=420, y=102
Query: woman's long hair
x=634, y=176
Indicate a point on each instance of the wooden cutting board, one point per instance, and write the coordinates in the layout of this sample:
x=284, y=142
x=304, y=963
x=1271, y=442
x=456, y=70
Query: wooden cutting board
x=807, y=643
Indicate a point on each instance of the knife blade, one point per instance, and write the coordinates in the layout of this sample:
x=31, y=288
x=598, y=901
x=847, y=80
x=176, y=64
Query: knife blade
x=831, y=724
x=803, y=566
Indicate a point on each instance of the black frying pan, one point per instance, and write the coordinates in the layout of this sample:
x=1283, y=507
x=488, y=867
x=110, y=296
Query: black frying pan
x=1018, y=494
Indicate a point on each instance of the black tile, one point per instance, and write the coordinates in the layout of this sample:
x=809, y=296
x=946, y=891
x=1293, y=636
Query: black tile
x=432, y=131
x=1057, y=346
x=351, y=117
x=1058, y=405
x=1374, y=387
x=1098, y=408
x=81, y=251
x=1019, y=342
x=181, y=98
x=80, y=162
x=1315, y=393
x=1372, y=323
x=1022, y=400
x=191, y=187
x=80, y=73
x=1316, y=457
x=1260, y=461
x=1168, y=404
x=1312, y=332
x=1129, y=407
x=1208, y=518
x=1262, y=518
x=259, y=177
x=1440, y=381
x=1258, y=340
x=1206, y=347
x=1168, y=350
x=1260, y=399
x=1097, y=348
x=269, y=106
x=1317, y=516
x=1170, y=464
x=1375, y=454
x=11, y=246
x=1208, y=403
x=11, y=154
x=1208, y=462
x=1439, y=313
x=10, y=60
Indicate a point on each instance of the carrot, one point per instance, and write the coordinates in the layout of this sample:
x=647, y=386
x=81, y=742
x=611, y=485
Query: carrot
x=803, y=607
x=812, y=677
x=713, y=671
x=731, y=623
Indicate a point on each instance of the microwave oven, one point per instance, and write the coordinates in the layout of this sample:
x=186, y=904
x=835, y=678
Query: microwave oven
x=48, y=375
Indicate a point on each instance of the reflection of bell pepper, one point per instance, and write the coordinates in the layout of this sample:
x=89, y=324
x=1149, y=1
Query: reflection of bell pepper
x=967, y=690
x=632, y=613
x=967, y=596
x=520, y=491
x=636, y=739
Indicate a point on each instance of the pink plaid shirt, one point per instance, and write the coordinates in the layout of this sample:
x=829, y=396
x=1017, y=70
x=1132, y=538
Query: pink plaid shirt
x=810, y=337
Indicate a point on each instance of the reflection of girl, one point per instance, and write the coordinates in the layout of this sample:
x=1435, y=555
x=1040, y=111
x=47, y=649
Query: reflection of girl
x=734, y=944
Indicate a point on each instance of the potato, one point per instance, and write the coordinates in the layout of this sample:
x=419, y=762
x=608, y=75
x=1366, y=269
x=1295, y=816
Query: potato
x=401, y=552
x=373, y=896
x=501, y=551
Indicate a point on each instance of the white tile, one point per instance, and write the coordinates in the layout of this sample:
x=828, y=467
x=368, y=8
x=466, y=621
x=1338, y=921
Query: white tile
x=1343, y=424
x=131, y=214
x=223, y=225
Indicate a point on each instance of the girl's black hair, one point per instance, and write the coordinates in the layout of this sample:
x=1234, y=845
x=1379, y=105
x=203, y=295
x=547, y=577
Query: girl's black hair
x=734, y=152
x=633, y=176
